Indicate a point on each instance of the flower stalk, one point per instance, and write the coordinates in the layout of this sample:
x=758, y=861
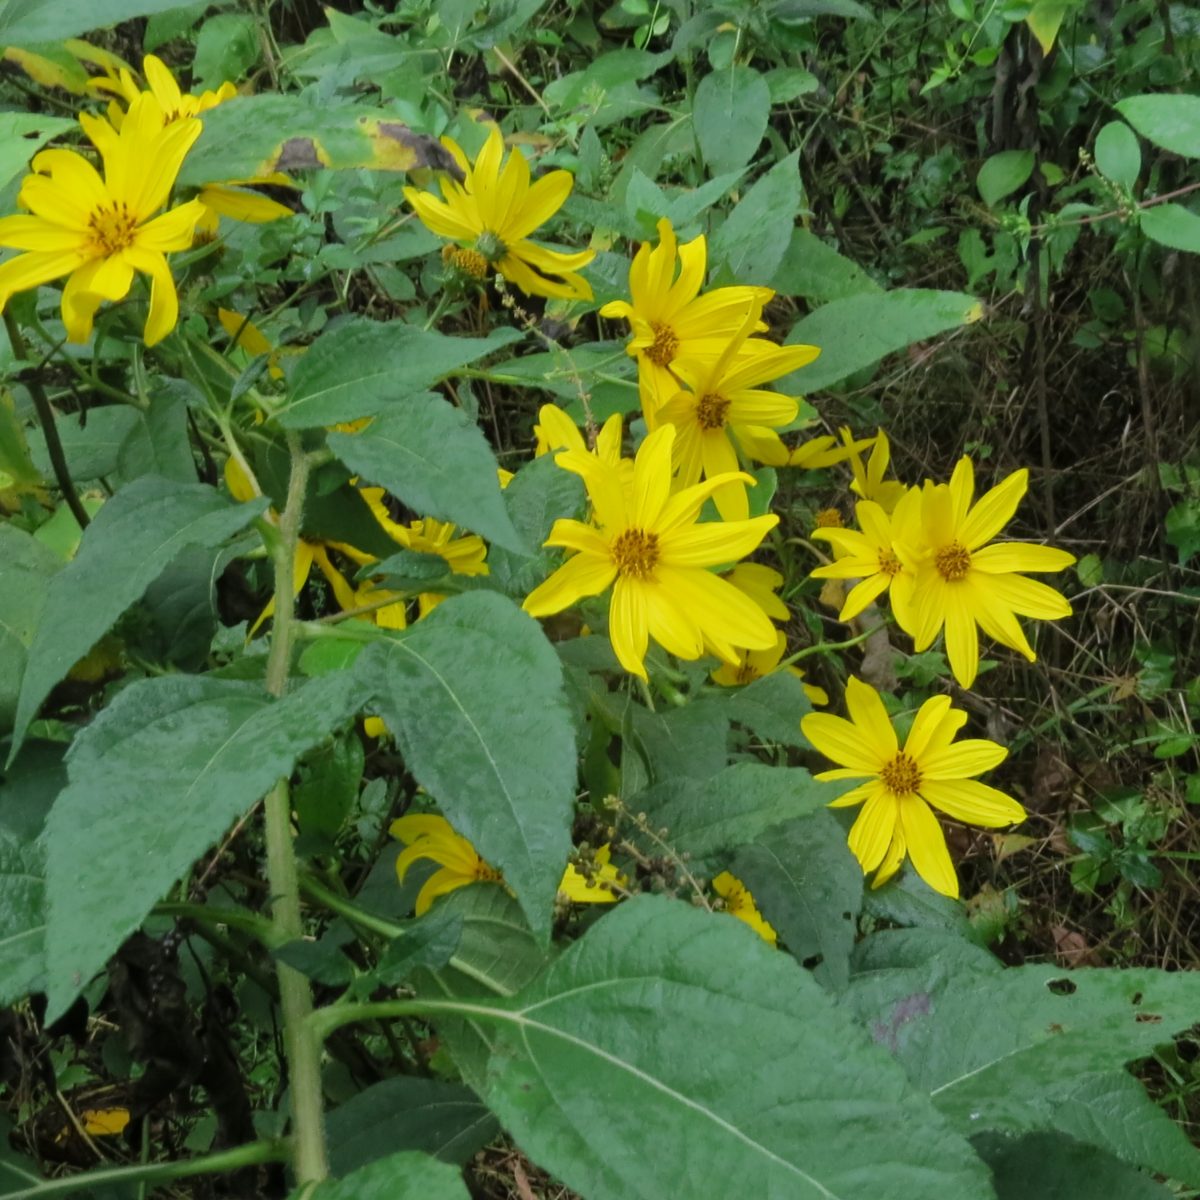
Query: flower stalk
x=309, y=1157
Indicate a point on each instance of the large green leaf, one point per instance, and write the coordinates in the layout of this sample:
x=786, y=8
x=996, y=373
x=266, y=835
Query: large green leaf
x=1014, y=1050
x=362, y=368
x=730, y=113
x=809, y=887
x=1118, y=155
x=1002, y=174
x=22, y=917
x=251, y=136
x=732, y=808
x=816, y=271
x=24, y=578
x=154, y=782
x=474, y=696
x=133, y=537
x=771, y=708
x=1168, y=119
x=672, y=1052
x=1172, y=225
x=405, y=1174
x=91, y=441
x=433, y=1116
x=755, y=236
x=22, y=135
x=26, y=22
x=431, y=456
x=858, y=331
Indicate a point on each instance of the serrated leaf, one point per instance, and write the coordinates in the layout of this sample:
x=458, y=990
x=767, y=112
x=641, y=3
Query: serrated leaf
x=127, y=545
x=227, y=46
x=729, y=113
x=1118, y=155
x=91, y=441
x=474, y=697
x=755, y=1086
x=809, y=886
x=858, y=331
x=363, y=368
x=427, y=942
x=1003, y=173
x=154, y=782
x=1170, y=120
x=24, y=580
x=771, y=708
x=732, y=808
x=432, y=1116
x=22, y=135
x=1172, y=225
x=22, y=917
x=433, y=458
x=754, y=237
x=24, y=22
x=815, y=271
x=405, y=1174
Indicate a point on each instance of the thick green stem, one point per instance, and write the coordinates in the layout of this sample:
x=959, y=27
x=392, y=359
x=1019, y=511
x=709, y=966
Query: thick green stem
x=210, y=1164
x=303, y=1048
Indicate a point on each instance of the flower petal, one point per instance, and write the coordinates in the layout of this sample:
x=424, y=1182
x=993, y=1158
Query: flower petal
x=839, y=740
x=583, y=575
x=871, y=719
x=925, y=723
x=971, y=756
x=973, y=802
x=994, y=510
x=871, y=833
x=164, y=302
x=722, y=612
x=1005, y=557
x=714, y=542
x=927, y=846
x=628, y=626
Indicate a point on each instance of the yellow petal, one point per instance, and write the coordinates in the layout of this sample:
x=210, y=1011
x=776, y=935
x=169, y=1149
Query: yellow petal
x=994, y=510
x=628, y=626
x=239, y=204
x=1005, y=557
x=583, y=575
x=722, y=612
x=870, y=717
x=715, y=542
x=964, y=759
x=927, y=846
x=973, y=802
x=925, y=724
x=164, y=302
x=839, y=740
x=871, y=833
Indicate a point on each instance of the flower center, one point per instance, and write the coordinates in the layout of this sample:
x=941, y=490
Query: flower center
x=901, y=776
x=113, y=228
x=469, y=262
x=746, y=673
x=490, y=246
x=711, y=410
x=666, y=344
x=635, y=553
x=829, y=518
x=486, y=874
x=889, y=564
x=953, y=562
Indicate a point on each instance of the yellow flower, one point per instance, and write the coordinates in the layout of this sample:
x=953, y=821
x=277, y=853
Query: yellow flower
x=669, y=317
x=600, y=884
x=962, y=581
x=429, y=836
x=651, y=549
x=896, y=819
x=556, y=431
x=492, y=213
x=739, y=903
x=755, y=664
x=822, y=451
x=724, y=408
x=229, y=198
x=250, y=338
x=100, y=231
x=760, y=583
x=869, y=482
x=873, y=557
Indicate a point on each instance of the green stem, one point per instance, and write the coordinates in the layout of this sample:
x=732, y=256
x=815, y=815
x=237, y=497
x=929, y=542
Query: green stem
x=58, y=460
x=828, y=647
x=236, y=918
x=309, y=1158
x=211, y=1164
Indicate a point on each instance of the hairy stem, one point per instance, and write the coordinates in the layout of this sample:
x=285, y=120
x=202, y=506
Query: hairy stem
x=309, y=1158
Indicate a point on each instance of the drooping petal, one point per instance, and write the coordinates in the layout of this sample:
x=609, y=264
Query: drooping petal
x=927, y=846
x=241, y=204
x=628, y=625
x=439, y=884
x=652, y=477
x=172, y=230
x=583, y=575
x=30, y=270
x=551, y=262
x=871, y=833
x=164, y=302
x=672, y=626
x=962, y=640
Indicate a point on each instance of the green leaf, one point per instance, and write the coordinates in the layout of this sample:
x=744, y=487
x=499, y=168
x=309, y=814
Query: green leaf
x=91, y=441
x=996, y=1050
x=1170, y=120
x=432, y=1116
x=790, y=83
x=732, y=808
x=22, y=135
x=226, y=48
x=128, y=544
x=363, y=368
x=790, y=12
x=434, y=458
x=1118, y=155
x=474, y=697
x=24, y=22
x=405, y=1174
x=858, y=331
x=730, y=113
x=754, y=237
x=22, y=917
x=157, y=441
x=252, y=136
x=771, y=708
x=1172, y=225
x=1047, y=1166
x=428, y=941
x=815, y=271
x=755, y=1086
x=155, y=780
x=809, y=887
x=1002, y=174
x=24, y=580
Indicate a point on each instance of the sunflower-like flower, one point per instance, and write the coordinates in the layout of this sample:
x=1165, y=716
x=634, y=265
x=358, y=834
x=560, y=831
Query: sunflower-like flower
x=555, y=430
x=740, y=903
x=870, y=554
x=724, y=408
x=869, y=482
x=432, y=837
x=491, y=214
x=755, y=664
x=598, y=883
x=656, y=556
x=962, y=581
x=229, y=198
x=100, y=231
x=896, y=819
x=670, y=319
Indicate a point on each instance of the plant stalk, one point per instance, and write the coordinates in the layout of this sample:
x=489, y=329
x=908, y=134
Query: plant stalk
x=310, y=1161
